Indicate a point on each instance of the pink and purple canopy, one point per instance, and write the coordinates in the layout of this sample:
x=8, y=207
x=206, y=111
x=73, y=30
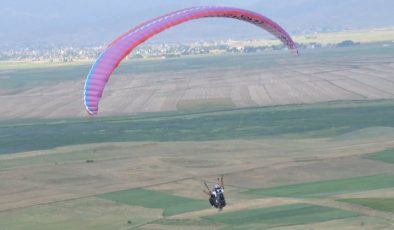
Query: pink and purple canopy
x=112, y=56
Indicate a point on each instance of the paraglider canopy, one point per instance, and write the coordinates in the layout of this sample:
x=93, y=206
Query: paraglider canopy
x=111, y=57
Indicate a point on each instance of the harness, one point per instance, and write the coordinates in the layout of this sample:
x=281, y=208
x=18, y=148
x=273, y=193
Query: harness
x=219, y=198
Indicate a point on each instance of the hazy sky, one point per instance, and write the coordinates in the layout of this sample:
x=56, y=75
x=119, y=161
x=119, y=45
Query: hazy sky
x=26, y=22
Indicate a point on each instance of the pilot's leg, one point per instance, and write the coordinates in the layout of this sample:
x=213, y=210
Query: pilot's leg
x=212, y=201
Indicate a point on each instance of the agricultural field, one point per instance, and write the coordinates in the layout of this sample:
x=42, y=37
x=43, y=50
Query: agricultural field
x=329, y=188
x=382, y=204
x=170, y=204
x=362, y=72
x=296, y=214
x=156, y=183
x=316, y=120
x=362, y=36
x=384, y=156
x=316, y=154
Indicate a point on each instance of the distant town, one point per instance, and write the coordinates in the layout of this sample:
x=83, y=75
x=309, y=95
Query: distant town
x=152, y=51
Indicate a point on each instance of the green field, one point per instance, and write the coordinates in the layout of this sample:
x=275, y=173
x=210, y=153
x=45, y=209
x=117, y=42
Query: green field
x=22, y=78
x=80, y=214
x=170, y=204
x=328, y=188
x=385, y=156
x=320, y=120
x=296, y=214
x=381, y=204
x=185, y=222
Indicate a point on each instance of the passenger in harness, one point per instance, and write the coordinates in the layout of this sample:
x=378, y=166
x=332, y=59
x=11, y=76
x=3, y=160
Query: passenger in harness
x=216, y=195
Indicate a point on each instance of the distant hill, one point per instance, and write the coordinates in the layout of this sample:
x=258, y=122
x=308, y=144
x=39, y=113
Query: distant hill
x=27, y=23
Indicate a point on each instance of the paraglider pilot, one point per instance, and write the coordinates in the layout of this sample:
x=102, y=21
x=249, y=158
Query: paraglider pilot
x=216, y=194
